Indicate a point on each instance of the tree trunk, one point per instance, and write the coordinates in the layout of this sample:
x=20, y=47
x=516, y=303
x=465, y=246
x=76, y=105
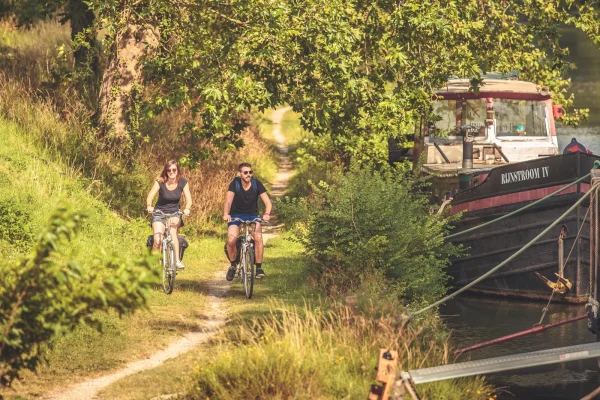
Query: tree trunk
x=82, y=20
x=120, y=81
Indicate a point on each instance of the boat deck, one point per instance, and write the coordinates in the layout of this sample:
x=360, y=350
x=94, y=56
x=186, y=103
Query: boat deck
x=452, y=169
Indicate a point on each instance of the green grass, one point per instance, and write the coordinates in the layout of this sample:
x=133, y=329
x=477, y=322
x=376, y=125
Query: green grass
x=294, y=133
x=35, y=186
x=286, y=282
x=287, y=342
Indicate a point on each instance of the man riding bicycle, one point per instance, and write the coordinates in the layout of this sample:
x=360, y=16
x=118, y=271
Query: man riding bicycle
x=241, y=201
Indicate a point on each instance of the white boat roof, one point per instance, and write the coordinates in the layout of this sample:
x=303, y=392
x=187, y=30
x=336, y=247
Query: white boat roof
x=494, y=85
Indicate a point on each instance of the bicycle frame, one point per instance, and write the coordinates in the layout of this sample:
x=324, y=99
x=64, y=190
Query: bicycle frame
x=246, y=255
x=169, y=269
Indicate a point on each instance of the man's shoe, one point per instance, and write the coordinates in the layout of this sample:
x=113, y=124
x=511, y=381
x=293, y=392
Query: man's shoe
x=230, y=273
x=260, y=273
x=180, y=266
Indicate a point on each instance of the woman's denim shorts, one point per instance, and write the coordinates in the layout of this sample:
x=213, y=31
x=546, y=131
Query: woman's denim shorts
x=157, y=218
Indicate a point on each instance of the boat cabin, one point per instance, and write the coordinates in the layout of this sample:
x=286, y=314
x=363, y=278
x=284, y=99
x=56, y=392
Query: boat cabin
x=508, y=121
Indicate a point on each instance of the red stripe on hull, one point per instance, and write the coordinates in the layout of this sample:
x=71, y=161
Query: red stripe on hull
x=518, y=197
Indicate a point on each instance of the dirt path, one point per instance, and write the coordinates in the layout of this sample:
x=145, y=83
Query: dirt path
x=285, y=168
x=215, y=319
x=218, y=289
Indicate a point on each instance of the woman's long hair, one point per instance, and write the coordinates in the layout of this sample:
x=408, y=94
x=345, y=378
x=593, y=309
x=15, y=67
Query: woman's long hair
x=164, y=176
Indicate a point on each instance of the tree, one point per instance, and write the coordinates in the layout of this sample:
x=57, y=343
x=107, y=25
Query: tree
x=354, y=69
x=41, y=298
x=76, y=12
x=358, y=70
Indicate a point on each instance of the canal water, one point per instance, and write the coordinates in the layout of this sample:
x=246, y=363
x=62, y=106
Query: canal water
x=474, y=320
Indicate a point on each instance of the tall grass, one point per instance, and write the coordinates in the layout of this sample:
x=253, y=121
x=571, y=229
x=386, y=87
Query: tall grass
x=34, y=55
x=316, y=353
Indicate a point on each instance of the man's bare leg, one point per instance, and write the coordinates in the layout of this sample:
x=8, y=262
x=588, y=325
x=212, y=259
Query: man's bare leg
x=232, y=235
x=258, y=243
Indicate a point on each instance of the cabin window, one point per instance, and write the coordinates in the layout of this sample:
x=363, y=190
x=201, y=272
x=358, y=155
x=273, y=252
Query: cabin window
x=451, y=114
x=520, y=117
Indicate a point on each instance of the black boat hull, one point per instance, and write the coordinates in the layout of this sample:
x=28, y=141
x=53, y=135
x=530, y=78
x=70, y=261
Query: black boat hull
x=489, y=246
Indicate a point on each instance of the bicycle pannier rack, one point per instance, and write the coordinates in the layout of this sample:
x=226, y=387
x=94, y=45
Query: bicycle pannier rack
x=183, y=244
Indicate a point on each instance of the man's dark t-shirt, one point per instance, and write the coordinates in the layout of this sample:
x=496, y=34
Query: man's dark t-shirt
x=246, y=201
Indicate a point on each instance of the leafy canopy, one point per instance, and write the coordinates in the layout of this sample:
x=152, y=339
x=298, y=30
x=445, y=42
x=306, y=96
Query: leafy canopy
x=359, y=70
x=355, y=69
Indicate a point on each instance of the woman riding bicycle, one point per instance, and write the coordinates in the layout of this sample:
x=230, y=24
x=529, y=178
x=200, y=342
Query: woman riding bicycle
x=169, y=185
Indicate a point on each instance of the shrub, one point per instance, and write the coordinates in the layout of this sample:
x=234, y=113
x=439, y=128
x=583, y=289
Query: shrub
x=41, y=298
x=375, y=223
x=15, y=223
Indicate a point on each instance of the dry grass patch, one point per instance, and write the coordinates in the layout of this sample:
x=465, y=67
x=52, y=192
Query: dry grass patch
x=322, y=353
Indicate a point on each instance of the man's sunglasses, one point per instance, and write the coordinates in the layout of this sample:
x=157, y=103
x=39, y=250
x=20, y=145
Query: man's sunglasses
x=247, y=172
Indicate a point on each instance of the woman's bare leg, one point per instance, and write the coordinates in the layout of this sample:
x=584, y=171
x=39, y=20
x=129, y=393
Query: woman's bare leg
x=174, y=228
x=159, y=229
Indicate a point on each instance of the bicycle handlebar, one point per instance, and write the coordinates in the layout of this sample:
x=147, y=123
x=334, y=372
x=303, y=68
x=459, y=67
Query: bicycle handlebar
x=246, y=222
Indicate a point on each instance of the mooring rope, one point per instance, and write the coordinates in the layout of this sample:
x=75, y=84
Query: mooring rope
x=503, y=263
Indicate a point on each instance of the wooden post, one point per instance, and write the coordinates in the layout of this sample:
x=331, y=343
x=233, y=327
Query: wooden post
x=386, y=374
x=390, y=379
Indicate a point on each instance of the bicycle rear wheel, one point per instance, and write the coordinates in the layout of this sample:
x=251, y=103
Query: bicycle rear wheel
x=248, y=268
x=169, y=269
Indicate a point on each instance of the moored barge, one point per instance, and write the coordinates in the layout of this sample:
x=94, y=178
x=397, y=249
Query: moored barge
x=491, y=153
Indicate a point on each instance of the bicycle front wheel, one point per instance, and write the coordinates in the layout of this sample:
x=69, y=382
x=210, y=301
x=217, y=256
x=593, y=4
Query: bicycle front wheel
x=169, y=269
x=248, y=271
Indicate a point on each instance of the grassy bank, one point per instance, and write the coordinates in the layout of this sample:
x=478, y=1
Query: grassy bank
x=37, y=185
x=289, y=343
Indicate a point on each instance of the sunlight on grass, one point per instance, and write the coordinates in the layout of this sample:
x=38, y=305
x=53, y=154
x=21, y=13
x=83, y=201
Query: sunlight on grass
x=38, y=184
x=284, y=265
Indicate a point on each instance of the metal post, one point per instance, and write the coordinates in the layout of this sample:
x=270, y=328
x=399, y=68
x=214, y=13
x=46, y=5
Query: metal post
x=561, y=250
x=467, y=159
x=593, y=305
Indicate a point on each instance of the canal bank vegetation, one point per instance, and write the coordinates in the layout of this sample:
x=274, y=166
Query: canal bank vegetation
x=323, y=351
x=367, y=251
x=357, y=74
x=370, y=230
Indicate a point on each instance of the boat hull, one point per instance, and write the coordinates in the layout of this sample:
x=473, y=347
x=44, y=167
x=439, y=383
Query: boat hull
x=491, y=245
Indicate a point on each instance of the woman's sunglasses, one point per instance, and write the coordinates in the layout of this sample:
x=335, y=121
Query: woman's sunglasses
x=172, y=170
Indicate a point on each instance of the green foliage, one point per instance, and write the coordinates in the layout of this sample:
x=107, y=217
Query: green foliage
x=359, y=71
x=15, y=223
x=371, y=228
x=314, y=160
x=41, y=298
x=322, y=353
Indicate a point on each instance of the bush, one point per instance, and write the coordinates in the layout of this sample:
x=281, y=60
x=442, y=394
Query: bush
x=314, y=160
x=16, y=226
x=317, y=353
x=41, y=298
x=372, y=228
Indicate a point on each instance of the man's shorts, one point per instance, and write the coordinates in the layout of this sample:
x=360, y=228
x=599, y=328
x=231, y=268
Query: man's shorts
x=244, y=217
